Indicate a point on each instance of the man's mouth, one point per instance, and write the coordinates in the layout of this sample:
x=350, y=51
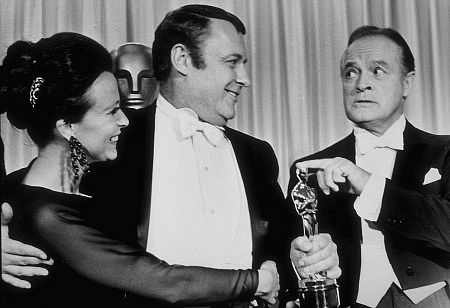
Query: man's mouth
x=233, y=93
x=364, y=101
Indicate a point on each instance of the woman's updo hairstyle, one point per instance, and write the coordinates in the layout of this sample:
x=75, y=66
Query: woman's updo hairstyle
x=60, y=69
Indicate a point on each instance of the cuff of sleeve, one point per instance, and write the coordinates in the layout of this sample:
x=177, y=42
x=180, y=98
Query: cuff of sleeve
x=250, y=285
x=368, y=204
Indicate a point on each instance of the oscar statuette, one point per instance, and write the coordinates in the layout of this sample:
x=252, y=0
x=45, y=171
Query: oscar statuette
x=317, y=291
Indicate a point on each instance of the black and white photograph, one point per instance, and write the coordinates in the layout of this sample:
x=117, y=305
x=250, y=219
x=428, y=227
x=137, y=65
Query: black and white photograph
x=225, y=153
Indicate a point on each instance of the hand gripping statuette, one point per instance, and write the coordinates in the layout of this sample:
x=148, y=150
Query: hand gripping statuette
x=317, y=291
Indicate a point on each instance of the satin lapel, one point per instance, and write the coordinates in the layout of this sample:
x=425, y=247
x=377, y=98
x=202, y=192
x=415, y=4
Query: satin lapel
x=347, y=148
x=244, y=159
x=413, y=148
x=147, y=146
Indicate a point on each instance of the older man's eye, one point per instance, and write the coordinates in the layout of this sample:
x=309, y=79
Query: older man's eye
x=350, y=74
x=378, y=71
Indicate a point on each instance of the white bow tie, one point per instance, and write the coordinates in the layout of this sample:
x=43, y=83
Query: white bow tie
x=367, y=141
x=188, y=125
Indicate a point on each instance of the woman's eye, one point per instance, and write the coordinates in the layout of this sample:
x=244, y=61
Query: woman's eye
x=115, y=110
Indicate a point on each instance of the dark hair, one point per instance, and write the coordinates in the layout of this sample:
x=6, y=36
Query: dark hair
x=407, y=59
x=188, y=25
x=68, y=63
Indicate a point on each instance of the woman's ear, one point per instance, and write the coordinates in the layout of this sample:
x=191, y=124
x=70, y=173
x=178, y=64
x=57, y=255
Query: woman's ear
x=66, y=130
x=180, y=58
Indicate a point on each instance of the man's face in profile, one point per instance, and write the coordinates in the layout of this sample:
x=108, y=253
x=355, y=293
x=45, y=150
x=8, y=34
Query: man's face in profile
x=374, y=83
x=134, y=74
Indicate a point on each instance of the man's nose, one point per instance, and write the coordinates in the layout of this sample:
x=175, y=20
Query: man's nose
x=364, y=83
x=242, y=76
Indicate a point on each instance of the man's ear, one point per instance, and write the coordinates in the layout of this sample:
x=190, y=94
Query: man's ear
x=66, y=130
x=181, y=60
x=408, y=83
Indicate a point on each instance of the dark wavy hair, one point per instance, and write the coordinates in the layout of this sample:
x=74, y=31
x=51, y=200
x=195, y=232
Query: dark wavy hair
x=188, y=25
x=407, y=58
x=68, y=63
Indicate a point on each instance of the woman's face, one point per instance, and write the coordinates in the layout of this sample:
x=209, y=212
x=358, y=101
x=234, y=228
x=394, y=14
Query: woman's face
x=99, y=129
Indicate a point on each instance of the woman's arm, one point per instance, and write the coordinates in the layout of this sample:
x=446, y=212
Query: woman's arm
x=66, y=233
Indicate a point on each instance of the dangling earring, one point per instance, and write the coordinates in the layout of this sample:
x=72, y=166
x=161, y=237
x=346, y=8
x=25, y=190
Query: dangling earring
x=77, y=157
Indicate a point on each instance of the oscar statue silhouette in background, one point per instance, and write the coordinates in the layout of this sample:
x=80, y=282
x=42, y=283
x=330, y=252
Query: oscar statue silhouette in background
x=134, y=73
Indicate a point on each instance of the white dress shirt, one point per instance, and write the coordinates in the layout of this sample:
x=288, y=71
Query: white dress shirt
x=199, y=213
x=377, y=156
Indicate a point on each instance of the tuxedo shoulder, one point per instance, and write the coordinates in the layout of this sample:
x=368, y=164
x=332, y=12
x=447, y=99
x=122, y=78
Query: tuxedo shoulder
x=341, y=146
x=243, y=136
x=431, y=139
x=331, y=150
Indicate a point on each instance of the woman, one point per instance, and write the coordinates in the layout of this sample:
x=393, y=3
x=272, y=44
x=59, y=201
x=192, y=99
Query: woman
x=62, y=90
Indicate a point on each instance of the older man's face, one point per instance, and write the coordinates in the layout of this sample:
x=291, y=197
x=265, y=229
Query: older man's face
x=374, y=84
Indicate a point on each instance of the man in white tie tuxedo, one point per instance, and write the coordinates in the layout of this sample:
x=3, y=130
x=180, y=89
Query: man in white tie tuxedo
x=207, y=195
x=384, y=190
x=192, y=191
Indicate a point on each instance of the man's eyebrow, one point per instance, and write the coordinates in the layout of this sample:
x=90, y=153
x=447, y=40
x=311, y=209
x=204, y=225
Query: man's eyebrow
x=234, y=55
x=380, y=62
x=238, y=56
x=349, y=64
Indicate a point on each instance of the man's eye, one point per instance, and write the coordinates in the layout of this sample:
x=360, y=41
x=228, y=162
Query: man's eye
x=350, y=74
x=232, y=62
x=378, y=71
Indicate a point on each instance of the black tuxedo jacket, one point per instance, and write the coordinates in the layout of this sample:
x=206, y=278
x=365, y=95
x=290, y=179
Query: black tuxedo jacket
x=414, y=218
x=122, y=188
